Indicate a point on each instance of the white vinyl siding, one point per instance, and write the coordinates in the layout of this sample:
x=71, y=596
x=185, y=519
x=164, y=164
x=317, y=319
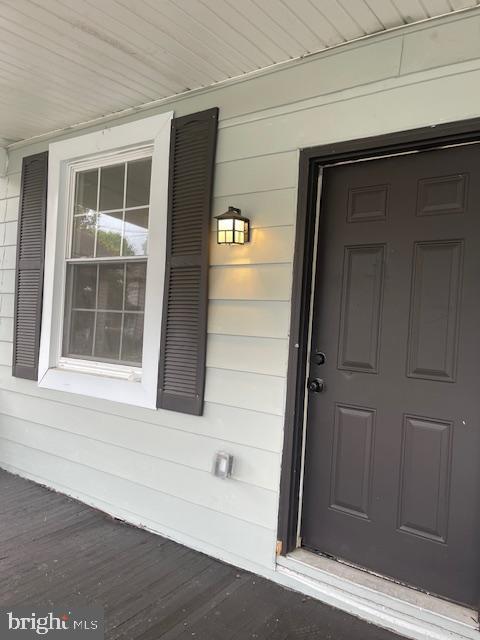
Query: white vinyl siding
x=153, y=467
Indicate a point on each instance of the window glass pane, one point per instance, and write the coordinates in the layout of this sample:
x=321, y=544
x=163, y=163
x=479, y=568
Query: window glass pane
x=109, y=235
x=107, y=335
x=81, y=333
x=110, y=286
x=86, y=191
x=105, y=299
x=111, y=187
x=136, y=233
x=112, y=330
x=84, y=286
x=135, y=287
x=138, y=182
x=83, y=245
x=132, y=341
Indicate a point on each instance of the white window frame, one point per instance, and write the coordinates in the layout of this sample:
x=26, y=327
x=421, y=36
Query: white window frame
x=120, y=383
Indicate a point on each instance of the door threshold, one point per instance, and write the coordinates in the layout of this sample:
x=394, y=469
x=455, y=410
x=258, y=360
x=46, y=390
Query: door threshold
x=381, y=601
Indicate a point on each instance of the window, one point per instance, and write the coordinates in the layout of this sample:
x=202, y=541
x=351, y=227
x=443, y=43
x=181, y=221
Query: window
x=105, y=261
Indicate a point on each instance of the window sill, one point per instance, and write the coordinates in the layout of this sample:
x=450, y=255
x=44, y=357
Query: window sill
x=116, y=371
x=98, y=385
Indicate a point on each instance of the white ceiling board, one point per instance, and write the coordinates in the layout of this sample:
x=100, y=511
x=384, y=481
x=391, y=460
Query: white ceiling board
x=64, y=62
x=363, y=16
x=411, y=10
x=436, y=7
x=385, y=12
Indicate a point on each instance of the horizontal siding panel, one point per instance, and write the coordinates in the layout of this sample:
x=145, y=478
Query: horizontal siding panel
x=247, y=502
x=447, y=44
x=249, y=318
x=8, y=257
x=6, y=352
x=13, y=185
x=246, y=390
x=430, y=102
x=361, y=64
x=163, y=513
x=253, y=466
x=255, y=355
x=11, y=212
x=6, y=329
x=273, y=244
x=120, y=424
x=7, y=281
x=256, y=174
x=10, y=237
x=276, y=208
x=306, y=127
x=376, y=112
x=280, y=134
x=7, y=301
x=251, y=282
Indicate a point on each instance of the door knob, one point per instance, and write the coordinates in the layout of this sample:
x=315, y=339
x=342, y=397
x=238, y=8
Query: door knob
x=315, y=385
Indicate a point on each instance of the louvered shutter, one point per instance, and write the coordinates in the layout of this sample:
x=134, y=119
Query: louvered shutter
x=181, y=379
x=29, y=272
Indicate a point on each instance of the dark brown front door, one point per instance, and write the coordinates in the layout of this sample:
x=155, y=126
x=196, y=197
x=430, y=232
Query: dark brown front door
x=392, y=462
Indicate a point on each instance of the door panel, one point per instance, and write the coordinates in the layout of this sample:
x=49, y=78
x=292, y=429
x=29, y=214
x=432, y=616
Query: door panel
x=352, y=460
x=393, y=442
x=361, y=308
x=437, y=282
x=424, y=488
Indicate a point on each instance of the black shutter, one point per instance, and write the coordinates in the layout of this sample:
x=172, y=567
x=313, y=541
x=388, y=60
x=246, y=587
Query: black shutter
x=29, y=273
x=181, y=378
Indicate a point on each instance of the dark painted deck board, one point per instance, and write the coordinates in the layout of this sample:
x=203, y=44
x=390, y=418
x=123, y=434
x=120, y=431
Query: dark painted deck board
x=58, y=552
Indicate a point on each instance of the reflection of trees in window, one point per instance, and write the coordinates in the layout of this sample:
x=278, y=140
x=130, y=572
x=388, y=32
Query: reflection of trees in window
x=110, y=241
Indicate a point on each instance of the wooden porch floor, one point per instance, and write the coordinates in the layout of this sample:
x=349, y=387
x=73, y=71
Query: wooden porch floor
x=55, y=551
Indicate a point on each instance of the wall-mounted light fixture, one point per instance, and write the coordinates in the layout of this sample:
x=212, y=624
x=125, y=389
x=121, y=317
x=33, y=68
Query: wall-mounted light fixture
x=232, y=227
x=222, y=465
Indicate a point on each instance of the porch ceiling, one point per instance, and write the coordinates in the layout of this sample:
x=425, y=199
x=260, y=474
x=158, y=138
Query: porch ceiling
x=64, y=62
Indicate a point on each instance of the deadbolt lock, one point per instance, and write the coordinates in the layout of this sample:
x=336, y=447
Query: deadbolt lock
x=315, y=385
x=319, y=357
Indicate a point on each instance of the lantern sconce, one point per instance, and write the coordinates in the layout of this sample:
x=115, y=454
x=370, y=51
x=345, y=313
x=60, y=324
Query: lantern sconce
x=232, y=227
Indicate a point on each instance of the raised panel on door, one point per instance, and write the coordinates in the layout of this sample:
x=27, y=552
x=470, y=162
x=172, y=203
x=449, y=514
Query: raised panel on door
x=435, y=308
x=360, y=312
x=425, y=478
x=352, y=460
